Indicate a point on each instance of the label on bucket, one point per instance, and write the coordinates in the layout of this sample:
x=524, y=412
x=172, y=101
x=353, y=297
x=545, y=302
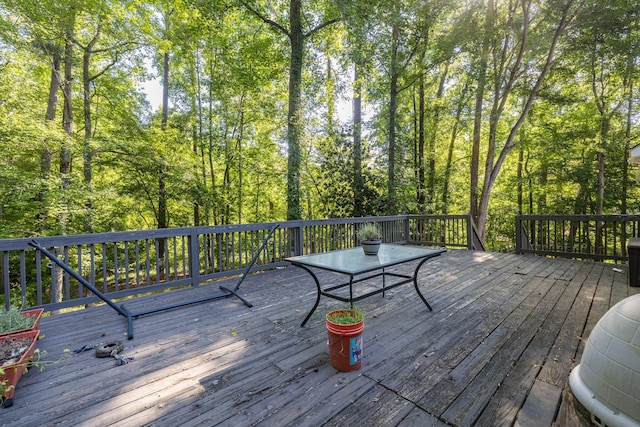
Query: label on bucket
x=355, y=346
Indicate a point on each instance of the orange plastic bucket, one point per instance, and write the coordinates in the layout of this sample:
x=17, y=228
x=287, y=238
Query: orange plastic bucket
x=345, y=345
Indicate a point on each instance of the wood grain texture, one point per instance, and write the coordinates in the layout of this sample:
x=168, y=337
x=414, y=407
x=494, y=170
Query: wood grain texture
x=498, y=347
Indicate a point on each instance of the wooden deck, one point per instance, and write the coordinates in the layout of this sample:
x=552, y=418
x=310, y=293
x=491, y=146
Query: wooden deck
x=497, y=350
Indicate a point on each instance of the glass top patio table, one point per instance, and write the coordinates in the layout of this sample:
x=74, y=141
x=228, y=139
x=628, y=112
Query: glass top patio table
x=353, y=262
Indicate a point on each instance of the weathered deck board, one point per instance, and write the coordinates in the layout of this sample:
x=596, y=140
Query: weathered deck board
x=496, y=350
x=484, y=373
x=551, y=365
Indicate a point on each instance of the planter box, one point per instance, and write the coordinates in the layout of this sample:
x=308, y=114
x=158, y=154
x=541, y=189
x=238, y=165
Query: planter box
x=34, y=312
x=13, y=373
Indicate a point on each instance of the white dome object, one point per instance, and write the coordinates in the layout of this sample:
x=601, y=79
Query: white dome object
x=607, y=380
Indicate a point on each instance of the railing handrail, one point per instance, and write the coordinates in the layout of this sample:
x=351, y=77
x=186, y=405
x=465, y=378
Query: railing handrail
x=578, y=236
x=603, y=217
x=126, y=263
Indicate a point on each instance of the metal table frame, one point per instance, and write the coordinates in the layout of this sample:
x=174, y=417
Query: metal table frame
x=353, y=262
x=125, y=312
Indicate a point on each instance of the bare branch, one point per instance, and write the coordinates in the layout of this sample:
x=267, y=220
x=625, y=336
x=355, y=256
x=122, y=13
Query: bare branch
x=321, y=26
x=265, y=19
x=104, y=70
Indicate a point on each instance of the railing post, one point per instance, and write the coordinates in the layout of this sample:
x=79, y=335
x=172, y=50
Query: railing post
x=298, y=239
x=519, y=234
x=406, y=229
x=5, y=280
x=474, y=241
x=194, y=256
x=470, y=233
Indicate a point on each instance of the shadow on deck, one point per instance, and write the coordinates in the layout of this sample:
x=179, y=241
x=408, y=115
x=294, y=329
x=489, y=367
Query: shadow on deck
x=497, y=349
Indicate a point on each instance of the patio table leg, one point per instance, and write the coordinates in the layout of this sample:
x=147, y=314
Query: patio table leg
x=384, y=283
x=415, y=283
x=315, y=279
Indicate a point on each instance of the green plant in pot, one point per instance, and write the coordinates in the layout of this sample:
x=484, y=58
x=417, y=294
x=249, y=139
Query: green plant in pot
x=370, y=238
x=15, y=320
x=349, y=316
x=345, y=329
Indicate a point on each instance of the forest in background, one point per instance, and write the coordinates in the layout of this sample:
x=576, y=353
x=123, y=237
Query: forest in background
x=292, y=109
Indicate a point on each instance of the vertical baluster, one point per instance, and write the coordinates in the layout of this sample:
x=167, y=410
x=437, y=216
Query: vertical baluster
x=137, y=261
x=38, y=277
x=126, y=264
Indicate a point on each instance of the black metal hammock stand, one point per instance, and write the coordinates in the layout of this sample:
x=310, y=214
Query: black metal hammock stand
x=123, y=311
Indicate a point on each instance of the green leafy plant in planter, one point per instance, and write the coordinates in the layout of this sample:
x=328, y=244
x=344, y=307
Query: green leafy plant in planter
x=345, y=338
x=370, y=238
x=369, y=232
x=15, y=320
x=346, y=316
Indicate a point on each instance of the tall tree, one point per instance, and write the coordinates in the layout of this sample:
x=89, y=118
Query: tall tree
x=297, y=35
x=403, y=50
x=163, y=220
x=511, y=52
x=108, y=55
x=609, y=46
x=358, y=184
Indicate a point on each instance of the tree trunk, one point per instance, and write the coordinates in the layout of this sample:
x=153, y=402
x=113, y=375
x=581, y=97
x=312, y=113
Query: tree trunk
x=46, y=154
x=475, y=145
x=86, y=148
x=420, y=149
x=358, y=190
x=627, y=147
x=519, y=176
x=452, y=140
x=197, y=137
x=65, y=152
x=433, y=135
x=296, y=37
x=239, y=139
x=163, y=221
x=543, y=179
x=162, y=190
x=604, y=135
x=393, y=101
x=67, y=120
x=507, y=82
x=213, y=199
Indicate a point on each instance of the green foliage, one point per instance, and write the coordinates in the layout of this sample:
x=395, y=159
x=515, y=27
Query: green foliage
x=368, y=231
x=14, y=320
x=223, y=152
x=347, y=316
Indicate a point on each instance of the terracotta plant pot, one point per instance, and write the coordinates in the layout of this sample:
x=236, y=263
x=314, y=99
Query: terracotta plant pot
x=14, y=371
x=36, y=313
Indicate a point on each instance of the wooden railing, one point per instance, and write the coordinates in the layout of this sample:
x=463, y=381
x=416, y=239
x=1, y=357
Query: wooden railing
x=122, y=264
x=444, y=230
x=596, y=237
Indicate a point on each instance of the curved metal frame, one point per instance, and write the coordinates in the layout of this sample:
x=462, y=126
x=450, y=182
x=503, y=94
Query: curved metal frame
x=351, y=299
x=123, y=311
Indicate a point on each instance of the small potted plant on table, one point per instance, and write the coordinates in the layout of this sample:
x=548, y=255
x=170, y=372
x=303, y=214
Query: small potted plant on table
x=345, y=329
x=370, y=238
